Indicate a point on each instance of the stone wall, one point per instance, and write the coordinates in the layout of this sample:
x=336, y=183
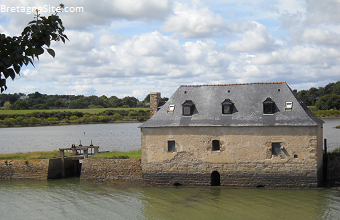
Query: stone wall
x=155, y=97
x=37, y=169
x=111, y=169
x=24, y=169
x=244, y=159
x=232, y=175
x=333, y=169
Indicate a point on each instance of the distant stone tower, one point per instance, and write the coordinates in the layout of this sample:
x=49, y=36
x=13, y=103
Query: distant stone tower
x=155, y=97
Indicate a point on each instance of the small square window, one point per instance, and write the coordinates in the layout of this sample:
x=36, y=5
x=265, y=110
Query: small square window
x=276, y=149
x=171, y=146
x=289, y=105
x=171, y=108
x=215, y=145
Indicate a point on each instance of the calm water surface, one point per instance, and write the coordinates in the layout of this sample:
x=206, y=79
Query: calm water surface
x=74, y=199
x=71, y=199
x=109, y=137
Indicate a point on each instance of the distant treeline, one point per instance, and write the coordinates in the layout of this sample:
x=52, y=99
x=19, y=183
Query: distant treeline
x=67, y=117
x=21, y=101
x=323, y=98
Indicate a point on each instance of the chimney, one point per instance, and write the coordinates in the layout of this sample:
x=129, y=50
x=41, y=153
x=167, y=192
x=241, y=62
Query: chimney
x=155, y=97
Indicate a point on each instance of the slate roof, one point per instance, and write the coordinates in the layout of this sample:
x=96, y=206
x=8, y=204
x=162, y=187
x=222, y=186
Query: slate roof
x=248, y=107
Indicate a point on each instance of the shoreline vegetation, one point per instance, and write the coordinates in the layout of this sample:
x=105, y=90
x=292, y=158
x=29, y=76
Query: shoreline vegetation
x=136, y=154
x=28, y=118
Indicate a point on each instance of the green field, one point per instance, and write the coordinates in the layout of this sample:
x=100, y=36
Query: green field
x=32, y=155
x=54, y=154
x=90, y=110
x=118, y=155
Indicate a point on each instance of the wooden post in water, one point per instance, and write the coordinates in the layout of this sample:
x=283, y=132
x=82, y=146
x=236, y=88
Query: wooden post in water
x=95, y=150
x=325, y=163
x=62, y=163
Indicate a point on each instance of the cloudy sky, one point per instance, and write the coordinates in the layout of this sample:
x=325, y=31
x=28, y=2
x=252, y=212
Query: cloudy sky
x=133, y=47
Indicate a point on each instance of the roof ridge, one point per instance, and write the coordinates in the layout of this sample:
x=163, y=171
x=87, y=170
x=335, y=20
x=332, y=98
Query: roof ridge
x=234, y=84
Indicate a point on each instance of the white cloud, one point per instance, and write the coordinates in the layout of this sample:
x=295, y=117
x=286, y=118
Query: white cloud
x=320, y=36
x=194, y=22
x=322, y=12
x=134, y=47
x=255, y=39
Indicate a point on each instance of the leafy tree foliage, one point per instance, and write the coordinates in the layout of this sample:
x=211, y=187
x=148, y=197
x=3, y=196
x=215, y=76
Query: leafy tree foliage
x=7, y=105
x=20, y=105
x=310, y=97
x=34, y=40
x=330, y=101
x=130, y=101
x=37, y=100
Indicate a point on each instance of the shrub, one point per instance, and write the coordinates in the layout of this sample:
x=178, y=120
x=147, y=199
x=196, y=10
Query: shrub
x=35, y=120
x=52, y=119
x=73, y=117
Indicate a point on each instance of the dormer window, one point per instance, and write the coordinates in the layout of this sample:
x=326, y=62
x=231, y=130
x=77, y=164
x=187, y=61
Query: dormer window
x=227, y=106
x=268, y=106
x=188, y=108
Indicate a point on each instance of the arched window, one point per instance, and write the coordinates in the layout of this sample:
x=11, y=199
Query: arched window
x=215, y=179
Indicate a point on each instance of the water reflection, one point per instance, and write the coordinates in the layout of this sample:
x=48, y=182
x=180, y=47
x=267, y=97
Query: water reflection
x=71, y=199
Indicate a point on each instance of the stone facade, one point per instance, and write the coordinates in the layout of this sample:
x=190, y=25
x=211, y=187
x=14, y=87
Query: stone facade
x=244, y=158
x=155, y=97
x=37, y=169
x=111, y=169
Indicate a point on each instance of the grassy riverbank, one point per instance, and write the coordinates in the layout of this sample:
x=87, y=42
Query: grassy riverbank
x=27, y=118
x=88, y=111
x=54, y=154
x=136, y=154
x=32, y=155
x=332, y=113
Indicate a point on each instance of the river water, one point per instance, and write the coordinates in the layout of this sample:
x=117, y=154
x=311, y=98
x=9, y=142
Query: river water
x=109, y=137
x=74, y=199
x=71, y=199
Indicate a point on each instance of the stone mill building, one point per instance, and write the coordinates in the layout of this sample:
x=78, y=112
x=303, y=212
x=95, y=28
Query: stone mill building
x=254, y=134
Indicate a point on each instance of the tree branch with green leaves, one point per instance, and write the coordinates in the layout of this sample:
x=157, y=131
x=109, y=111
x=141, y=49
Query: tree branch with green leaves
x=34, y=40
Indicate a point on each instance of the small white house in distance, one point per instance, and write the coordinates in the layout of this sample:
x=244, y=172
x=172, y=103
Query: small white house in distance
x=237, y=135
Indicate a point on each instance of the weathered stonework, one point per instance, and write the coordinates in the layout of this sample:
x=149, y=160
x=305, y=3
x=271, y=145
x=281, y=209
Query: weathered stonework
x=155, y=97
x=111, y=169
x=244, y=158
x=37, y=169
x=333, y=169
